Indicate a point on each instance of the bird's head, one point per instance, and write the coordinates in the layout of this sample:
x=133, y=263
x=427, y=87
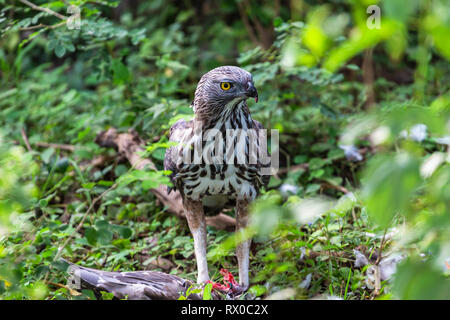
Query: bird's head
x=222, y=89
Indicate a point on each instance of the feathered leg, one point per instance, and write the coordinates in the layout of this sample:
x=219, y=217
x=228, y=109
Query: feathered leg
x=197, y=224
x=243, y=249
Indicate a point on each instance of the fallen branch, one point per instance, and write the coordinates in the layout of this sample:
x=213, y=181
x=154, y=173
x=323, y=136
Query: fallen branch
x=130, y=145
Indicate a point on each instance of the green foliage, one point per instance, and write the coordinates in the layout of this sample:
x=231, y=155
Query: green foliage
x=150, y=179
x=16, y=193
x=411, y=185
x=392, y=180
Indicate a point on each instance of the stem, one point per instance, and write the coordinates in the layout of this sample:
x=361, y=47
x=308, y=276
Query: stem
x=47, y=10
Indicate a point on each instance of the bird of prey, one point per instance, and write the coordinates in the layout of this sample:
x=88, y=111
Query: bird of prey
x=216, y=179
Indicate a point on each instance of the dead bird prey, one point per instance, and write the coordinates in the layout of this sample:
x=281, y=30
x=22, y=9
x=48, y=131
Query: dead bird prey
x=210, y=175
x=133, y=285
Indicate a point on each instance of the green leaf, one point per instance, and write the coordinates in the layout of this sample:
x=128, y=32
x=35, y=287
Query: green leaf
x=105, y=183
x=149, y=184
x=258, y=290
x=104, y=236
x=91, y=235
x=207, y=292
x=46, y=154
x=418, y=280
x=60, y=51
x=123, y=231
x=389, y=185
x=120, y=72
x=88, y=185
x=107, y=295
x=102, y=224
x=316, y=163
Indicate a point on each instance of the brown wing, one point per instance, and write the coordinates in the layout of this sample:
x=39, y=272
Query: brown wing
x=172, y=154
x=265, y=178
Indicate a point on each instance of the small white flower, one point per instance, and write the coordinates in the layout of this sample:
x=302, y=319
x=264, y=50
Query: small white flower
x=351, y=152
x=303, y=251
x=418, y=132
x=351, y=196
x=287, y=189
x=403, y=134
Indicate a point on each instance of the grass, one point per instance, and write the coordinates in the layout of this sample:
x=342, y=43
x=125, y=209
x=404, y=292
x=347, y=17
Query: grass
x=126, y=230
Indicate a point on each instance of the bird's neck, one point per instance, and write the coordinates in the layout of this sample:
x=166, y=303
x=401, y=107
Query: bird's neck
x=234, y=117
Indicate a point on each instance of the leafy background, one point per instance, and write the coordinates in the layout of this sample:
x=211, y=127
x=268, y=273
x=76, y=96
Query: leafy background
x=363, y=116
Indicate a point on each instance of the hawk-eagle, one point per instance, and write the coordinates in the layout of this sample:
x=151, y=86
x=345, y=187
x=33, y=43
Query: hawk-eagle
x=217, y=178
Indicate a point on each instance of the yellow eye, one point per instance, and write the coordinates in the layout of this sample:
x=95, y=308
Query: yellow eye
x=225, y=85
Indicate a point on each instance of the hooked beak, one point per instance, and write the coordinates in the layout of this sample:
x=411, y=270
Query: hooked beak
x=250, y=91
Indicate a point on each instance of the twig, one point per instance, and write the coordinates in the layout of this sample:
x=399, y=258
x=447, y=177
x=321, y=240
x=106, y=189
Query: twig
x=47, y=10
x=376, y=292
x=25, y=139
x=43, y=26
x=335, y=187
x=33, y=27
x=297, y=167
x=59, y=285
x=67, y=147
x=381, y=246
